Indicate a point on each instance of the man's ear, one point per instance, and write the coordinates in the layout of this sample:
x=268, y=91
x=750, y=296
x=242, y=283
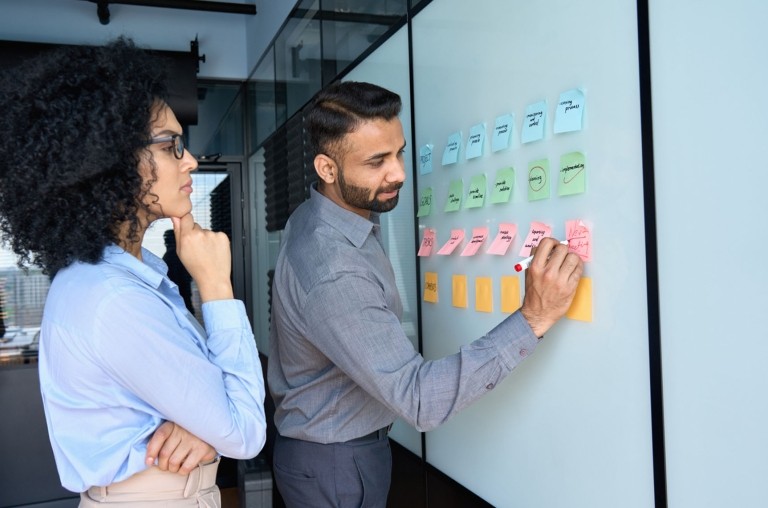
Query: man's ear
x=325, y=168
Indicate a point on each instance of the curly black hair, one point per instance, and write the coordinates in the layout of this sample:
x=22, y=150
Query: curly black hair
x=75, y=123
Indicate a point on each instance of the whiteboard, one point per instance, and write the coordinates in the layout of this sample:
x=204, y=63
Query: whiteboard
x=572, y=425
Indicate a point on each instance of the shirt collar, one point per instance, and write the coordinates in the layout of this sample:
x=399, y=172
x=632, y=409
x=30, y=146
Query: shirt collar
x=152, y=270
x=356, y=228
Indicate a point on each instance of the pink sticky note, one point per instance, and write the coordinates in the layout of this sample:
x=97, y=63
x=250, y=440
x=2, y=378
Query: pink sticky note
x=427, y=242
x=538, y=231
x=579, y=239
x=478, y=237
x=457, y=235
x=503, y=239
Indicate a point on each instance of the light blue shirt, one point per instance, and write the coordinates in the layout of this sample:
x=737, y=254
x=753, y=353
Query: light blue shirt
x=120, y=353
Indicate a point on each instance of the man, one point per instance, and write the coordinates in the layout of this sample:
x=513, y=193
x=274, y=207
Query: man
x=341, y=368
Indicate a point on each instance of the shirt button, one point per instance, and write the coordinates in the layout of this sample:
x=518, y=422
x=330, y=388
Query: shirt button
x=523, y=352
x=489, y=386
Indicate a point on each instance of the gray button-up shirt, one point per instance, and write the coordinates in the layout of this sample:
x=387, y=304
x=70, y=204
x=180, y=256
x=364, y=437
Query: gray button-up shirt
x=340, y=364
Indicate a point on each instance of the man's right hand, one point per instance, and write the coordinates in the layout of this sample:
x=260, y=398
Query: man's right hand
x=550, y=284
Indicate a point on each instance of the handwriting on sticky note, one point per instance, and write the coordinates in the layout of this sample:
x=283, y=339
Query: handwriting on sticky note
x=425, y=202
x=502, y=188
x=427, y=243
x=503, y=239
x=579, y=239
x=425, y=159
x=430, y=287
x=455, y=193
x=538, y=231
x=457, y=235
x=478, y=237
x=476, y=194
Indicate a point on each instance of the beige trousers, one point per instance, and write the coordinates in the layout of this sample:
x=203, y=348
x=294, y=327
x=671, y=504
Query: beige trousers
x=154, y=488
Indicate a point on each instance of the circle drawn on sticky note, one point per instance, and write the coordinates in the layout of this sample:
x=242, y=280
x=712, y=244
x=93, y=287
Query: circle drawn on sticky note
x=537, y=178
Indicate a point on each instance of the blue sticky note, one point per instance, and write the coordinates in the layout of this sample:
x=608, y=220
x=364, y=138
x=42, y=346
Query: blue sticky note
x=502, y=132
x=451, y=152
x=476, y=141
x=569, y=114
x=533, y=123
x=425, y=159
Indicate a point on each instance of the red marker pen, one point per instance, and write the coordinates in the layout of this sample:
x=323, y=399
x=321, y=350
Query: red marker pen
x=525, y=263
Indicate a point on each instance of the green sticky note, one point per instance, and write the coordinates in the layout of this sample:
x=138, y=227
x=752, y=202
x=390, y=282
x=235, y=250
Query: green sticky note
x=573, y=174
x=425, y=203
x=538, y=180
x=505, y=182
x=455, y=193
x=476, y=195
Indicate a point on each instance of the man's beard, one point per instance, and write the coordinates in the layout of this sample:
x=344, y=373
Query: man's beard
x=358, y=196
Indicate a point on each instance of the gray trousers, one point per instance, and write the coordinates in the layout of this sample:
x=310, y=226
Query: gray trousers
x=355, y=474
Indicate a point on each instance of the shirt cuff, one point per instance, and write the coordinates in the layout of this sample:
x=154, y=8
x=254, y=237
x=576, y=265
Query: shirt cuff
x=224, y=315
x=515, y=339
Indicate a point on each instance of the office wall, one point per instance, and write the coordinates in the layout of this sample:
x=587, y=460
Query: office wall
x=709, y=70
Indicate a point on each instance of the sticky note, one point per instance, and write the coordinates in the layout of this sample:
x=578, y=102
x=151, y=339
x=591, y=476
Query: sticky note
x=538, y=180
x=538, y=231
x=452, y=146
x=425, y=202
x=581, y=306
x=459, y=286
x=502, y=188
x=478, y=238
x=427, y=243
x=457, y=235
x=502, y=132
x=533, y=123
x=430, y=287
x=579, y=238
x=476, y=194
x=503, y=239
x=510, y=293
x=476, y=141
x=425, y=159
x=484, y=294
x=569, y=114
x=455, y=193
x=573, y=174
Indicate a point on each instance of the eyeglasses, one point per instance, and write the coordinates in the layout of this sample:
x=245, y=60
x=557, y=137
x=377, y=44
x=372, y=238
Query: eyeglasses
x=178, y=144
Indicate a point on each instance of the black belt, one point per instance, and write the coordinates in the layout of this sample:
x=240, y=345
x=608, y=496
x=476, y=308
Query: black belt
x=376, y=435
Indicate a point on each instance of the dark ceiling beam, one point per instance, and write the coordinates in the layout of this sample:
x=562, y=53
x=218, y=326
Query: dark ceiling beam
x=102, y=8
x=349, y=17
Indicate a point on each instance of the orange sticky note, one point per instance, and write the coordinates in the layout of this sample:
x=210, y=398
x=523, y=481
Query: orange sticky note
x=484, y=294
x=510, y=293
x=459, y=284
x=581, y=307
x=430, y=287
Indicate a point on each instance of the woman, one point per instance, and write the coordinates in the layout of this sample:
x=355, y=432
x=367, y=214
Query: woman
x=90, y=156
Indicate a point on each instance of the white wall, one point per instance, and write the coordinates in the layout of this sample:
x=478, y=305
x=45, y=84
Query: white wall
x=709, y=74
x=222, y=36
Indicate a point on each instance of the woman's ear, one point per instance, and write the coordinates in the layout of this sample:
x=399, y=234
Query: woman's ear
x=325, y=168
